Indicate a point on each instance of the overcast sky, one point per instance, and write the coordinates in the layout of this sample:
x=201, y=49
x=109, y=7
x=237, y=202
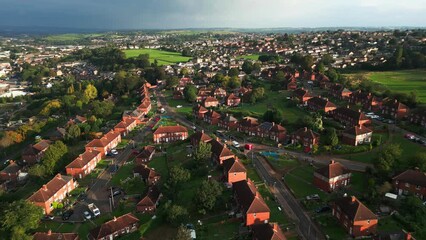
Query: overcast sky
x=133, y=14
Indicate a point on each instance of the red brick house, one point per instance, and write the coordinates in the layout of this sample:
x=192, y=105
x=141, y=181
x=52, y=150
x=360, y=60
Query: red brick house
x=355, y=217
x=55, y=190
x=350, y=117
x=277, y=133
x=302, y=95
x=360, y=97
x=212, y=117
x=166, y=134
x=105, y=143
x=76, y=120
x=149, y=202
x=219, y=93
x=115, y=228
x=418, y=117
x=11, y=172
x=199, y=111
x=250, y=203
x=83, y=164
x=267, y=231
x=357, y=135
x=234, y=171
x=145, y=155
x=145, y=106
x=248, y=125
x=410, y=181
x=232, y=100
x=332, y=177
x=33, y=153
x=49, y=235
x=198, y=137
x=125, y=126
x=148, y=175
x=305, y=137
x=339, y=91
x=210, y=102
x=395, y=109
x=228, y=122
x=319, y=104
x=220, y=152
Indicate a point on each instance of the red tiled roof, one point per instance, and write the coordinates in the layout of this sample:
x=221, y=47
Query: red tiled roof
x=145, y=172
x=306, y=133
x=220, y=149
x=114, y=225
x=267, y=231
x=233, y=165
x=104, y=140
x=355, y=131
x=83, y=159
x=170, y=129
x=354, y=209
x=201, y=137
x=414, y=177
x=333, y=169
x=249, y=198
x=249, y=122
x=48, y=190
x=210, y=99
x=200, y=109
x=151, y=197
x=146, y=152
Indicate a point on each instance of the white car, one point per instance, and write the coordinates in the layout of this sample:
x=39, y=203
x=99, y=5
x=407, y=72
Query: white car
x=235, y=144
x=87, y=215
x=114, y=152
x=178, y=106
x=370, y=113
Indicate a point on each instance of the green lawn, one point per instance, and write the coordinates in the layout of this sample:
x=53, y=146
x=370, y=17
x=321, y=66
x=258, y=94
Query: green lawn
x=300, y=181
x=186, y=107
x=250, y=57
x=70, y=37
x=403, y=81
x=332, y=228
x=162, y=57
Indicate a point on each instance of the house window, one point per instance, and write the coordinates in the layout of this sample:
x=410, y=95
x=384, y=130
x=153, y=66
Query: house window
x=254, y=214
x=407, y=184
x=368, y=221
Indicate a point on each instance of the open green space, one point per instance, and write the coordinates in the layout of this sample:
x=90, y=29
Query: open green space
x=70, y=37
x=162, y=57
x=300, y=180
x=250, y=57
x=332, y=228
x=404, y=81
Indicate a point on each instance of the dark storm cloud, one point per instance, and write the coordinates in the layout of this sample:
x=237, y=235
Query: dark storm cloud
x=211, y=13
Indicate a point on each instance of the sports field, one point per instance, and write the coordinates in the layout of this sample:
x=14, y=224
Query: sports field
x=250, y=57
x=162, y=57
x=403, y=81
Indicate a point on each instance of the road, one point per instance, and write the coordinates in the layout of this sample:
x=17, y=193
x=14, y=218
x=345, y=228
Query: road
x=305, y=226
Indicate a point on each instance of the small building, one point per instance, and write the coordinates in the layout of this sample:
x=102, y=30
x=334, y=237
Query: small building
x=148, y=175
x=199, y=111
x=104, y=144
x=357, y=135
x=125, y=126
x=83, y=164
x=355, y=217
x=166, y=134
x=248, y=125
x=212, y=117
x=33, y=153
x=115, y=228
x=332, y=177
x=418, y=117
x=210, y=102
x=410, y=182
x=149, y=202
x=145, y=155
x=250, y=203
x=305, y=137
x=395, y=109
x=49, y=235
x=11, y=172
x=234, y=171
x=302, y=95
x=145, y=106
x=267, y=231
x=350, y=117
x=339, y=91
x=232, y=100
x=228, y=122
x=54, y=191
x=277, y=133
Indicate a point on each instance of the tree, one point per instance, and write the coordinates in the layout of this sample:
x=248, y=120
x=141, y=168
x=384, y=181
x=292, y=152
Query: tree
x=172, y=82
x=102, y=108
x=234, y=82
x=190, y=93
x=418, y=161
x=307, y=62
x=73, y=132
x=178, y=175
x=202, y=153
x=330, y=137
x=90, y=93
x=257, y=94
x=387, y=157
x=207, y=194
x=176, y=214
x=273, y=115
x=320, y=67
x=186, y=52
x=20, y=216
x=332, y=74
x=183, y=234
x=327, y=59
x=184, y=71
x=280, y=76
x=233, y=72
x=52, y=155
x=247, y=67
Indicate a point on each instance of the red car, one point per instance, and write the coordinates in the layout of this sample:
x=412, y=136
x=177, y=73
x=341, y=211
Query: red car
x=248, y=146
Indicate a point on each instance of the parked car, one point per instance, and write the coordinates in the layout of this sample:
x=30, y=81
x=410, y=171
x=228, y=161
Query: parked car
x=323, y=209
x=87, y=215
x=178, y=106
x=115, y=193
x=67, y=214
x=235, y=144
x=313, y=197
x=114, y=152
x=409, y=136
x=94, y=210
x=48, y=218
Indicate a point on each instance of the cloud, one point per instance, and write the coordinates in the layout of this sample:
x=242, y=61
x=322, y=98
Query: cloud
x=211, y=13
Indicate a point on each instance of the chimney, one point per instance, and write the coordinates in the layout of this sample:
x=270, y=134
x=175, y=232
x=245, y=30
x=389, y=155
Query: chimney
x=275, y=227
x=115, y=219
x=273, y=123
x=59, y=176
x=217, y=139
x=49, y=232
x=396, y=100
x=353, y=199
x=236, y=158
x=44, y=187
x=80, y=156
x=347, y=106
x=359, y=110
x=202, y=130
x=332, y=161
x=305, y=129
x=257, y=194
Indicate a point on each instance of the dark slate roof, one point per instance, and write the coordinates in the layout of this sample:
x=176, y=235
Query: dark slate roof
x=114, y=225
x=415, y=177
x=354, y=209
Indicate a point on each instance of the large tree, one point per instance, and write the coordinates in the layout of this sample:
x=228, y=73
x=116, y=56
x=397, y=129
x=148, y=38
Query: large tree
x=177, y=174
x=73, y=132
x=386, y=160
x=19, y=217
x=190, y=93
x=182, y=234
x=90, y=93
x=202, y=153
x=330, y=138
x=247, y=67
x=176, y=214
x=207, y=194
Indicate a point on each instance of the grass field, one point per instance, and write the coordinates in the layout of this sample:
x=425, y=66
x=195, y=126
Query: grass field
x=70, y=37
x=403, y=81
x=162, y=57
x=250, y=57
